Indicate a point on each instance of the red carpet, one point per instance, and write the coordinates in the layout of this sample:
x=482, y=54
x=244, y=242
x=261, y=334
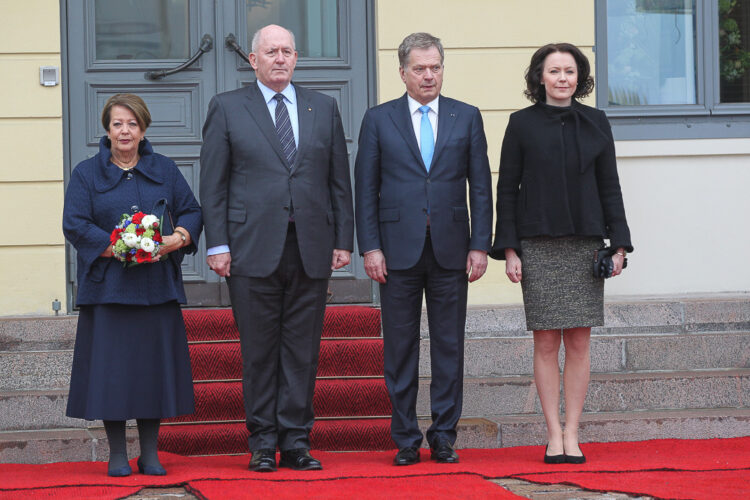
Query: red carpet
x=350, y=391
x=679, y=469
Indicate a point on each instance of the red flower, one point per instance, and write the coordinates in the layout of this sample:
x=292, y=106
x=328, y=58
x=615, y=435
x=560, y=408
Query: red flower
x=157, y=236
x=139, y=231
x=138, y=217
x=115, y=236
x=155, y=224
x=141, y=256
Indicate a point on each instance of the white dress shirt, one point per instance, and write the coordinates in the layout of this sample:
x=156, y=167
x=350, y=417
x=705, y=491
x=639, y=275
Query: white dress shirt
x=416, y=117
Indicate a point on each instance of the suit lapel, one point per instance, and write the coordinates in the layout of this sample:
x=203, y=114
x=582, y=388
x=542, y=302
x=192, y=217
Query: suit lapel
x=306, y=118
x=402, y=119
x=446, y=120
x=258, y=109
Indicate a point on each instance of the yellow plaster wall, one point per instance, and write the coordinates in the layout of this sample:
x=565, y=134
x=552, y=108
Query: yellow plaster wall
x=488, y=45
x=32, y=260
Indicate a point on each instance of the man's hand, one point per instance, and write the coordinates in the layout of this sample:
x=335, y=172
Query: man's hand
x=219, y=263
x=476, y=264
x=340, y=259
x=375, y=265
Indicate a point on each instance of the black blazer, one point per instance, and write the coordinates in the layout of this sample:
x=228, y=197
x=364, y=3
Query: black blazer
x=247, y=187
x=548, y=189
x=394, y=189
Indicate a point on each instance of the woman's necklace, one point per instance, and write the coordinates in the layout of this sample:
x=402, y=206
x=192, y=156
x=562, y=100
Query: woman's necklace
x=125, y=165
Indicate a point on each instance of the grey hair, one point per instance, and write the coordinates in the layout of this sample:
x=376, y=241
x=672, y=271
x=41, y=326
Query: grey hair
x=418, y=41
x=256, y=39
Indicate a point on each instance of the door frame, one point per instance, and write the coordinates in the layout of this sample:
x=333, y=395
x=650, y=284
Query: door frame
x=359, y=289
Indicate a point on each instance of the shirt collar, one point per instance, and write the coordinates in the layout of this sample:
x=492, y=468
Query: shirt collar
x=414, y=104
x=289, y=93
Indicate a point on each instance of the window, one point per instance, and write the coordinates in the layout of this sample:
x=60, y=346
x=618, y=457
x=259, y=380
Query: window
x=669, y=69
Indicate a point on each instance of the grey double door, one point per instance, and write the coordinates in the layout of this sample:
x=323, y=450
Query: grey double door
x=112, y=46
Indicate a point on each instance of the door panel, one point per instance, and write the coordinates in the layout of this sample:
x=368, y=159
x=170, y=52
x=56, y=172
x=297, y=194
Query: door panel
x=111, y=44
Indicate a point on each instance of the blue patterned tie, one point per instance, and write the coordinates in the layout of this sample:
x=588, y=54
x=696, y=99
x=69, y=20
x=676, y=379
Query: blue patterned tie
x=284, y=130
x=426, y=138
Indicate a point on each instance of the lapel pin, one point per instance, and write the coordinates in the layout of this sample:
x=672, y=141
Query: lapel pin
x=453, y=115
x=309, y=109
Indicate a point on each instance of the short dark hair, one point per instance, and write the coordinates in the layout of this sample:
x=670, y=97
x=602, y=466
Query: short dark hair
x=131, y=101
x=535, y=90
x=418, y=41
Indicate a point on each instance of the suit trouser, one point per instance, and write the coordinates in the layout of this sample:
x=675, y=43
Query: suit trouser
x=280, y=319
x=401, y=302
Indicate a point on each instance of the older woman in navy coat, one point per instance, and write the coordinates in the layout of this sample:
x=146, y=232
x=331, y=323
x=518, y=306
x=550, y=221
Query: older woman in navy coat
x=131, y=357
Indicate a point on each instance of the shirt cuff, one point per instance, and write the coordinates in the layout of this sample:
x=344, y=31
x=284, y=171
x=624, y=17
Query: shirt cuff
x=217, y=250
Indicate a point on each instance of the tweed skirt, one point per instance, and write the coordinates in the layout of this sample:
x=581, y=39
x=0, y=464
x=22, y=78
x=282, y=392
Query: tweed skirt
x=559, y=289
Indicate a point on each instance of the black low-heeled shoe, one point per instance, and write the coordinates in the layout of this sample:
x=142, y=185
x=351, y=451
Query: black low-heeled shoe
x=553, y=459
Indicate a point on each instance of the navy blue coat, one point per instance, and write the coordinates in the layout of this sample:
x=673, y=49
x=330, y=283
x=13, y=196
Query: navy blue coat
x=98, y=194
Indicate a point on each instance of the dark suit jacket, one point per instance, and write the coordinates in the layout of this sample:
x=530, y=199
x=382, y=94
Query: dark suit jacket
x=394, y=189
x=247, y=187
x=558, y=179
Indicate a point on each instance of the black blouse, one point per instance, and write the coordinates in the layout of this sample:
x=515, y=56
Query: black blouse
x=558, y=177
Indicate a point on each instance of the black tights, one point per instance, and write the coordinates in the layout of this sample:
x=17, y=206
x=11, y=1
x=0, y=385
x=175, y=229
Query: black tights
x=148, y=434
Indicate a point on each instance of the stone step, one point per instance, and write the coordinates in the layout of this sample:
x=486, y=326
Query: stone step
x=499, y=357
x=529, y=430
x=627, y=315
x=28, y=410
x=484, y=357
x=73, y=445
x=623, y=315
x=607, y=392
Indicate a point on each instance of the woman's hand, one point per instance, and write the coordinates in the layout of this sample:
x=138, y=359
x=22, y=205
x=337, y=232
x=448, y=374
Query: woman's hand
x=617, y=260
x=512, y=265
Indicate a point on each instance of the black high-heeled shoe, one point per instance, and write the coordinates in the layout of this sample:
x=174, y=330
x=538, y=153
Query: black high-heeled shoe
x=553, y=459
x=572, y=459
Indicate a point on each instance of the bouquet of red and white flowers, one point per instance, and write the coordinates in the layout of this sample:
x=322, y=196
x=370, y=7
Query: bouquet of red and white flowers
x=136, y=239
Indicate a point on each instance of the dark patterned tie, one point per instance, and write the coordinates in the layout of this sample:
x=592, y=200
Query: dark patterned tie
x=284, y=130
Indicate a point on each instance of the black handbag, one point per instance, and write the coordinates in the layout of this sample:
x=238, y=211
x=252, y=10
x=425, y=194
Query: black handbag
x=603, y=265
x=164, y=214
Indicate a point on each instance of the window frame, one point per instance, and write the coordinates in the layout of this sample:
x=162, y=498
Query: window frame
x=708, y=119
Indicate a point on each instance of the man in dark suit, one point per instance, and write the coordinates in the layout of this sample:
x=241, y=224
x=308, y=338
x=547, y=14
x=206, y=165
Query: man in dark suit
x=416, y=154
x=277, y=200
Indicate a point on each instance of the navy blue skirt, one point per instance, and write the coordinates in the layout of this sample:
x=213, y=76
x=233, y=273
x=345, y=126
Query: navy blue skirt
x=130, y=362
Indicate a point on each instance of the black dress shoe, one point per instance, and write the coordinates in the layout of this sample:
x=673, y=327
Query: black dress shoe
x=299, y=459
x=263, y=461
x=407, y=456
x=553, y=459
x=443, y=453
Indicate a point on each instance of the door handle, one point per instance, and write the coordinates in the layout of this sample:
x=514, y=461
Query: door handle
x=231, y=42
x=207, y=43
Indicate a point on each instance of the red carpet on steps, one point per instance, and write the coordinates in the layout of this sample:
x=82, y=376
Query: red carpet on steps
x=350, y=394
x=678, y=469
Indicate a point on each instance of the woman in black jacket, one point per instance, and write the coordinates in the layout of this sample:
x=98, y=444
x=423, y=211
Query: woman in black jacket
x=558, y=196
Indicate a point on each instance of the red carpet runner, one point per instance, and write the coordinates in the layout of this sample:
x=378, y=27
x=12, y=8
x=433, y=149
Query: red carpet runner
x=679, y=469
x=351, y=402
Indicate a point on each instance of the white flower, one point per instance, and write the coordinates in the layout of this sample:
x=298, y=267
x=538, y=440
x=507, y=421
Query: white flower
x=148, y=221
x=147, y=245
x=131, y=239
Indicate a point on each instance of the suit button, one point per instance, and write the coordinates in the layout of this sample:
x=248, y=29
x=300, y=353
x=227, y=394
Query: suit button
x=424, y=210
x=428, y=181
x=286, y=208
x=130, y=175
x=134, y=208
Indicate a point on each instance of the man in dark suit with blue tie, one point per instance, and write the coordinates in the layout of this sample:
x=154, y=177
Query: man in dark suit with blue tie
x=277, y=201
x=417, y=234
